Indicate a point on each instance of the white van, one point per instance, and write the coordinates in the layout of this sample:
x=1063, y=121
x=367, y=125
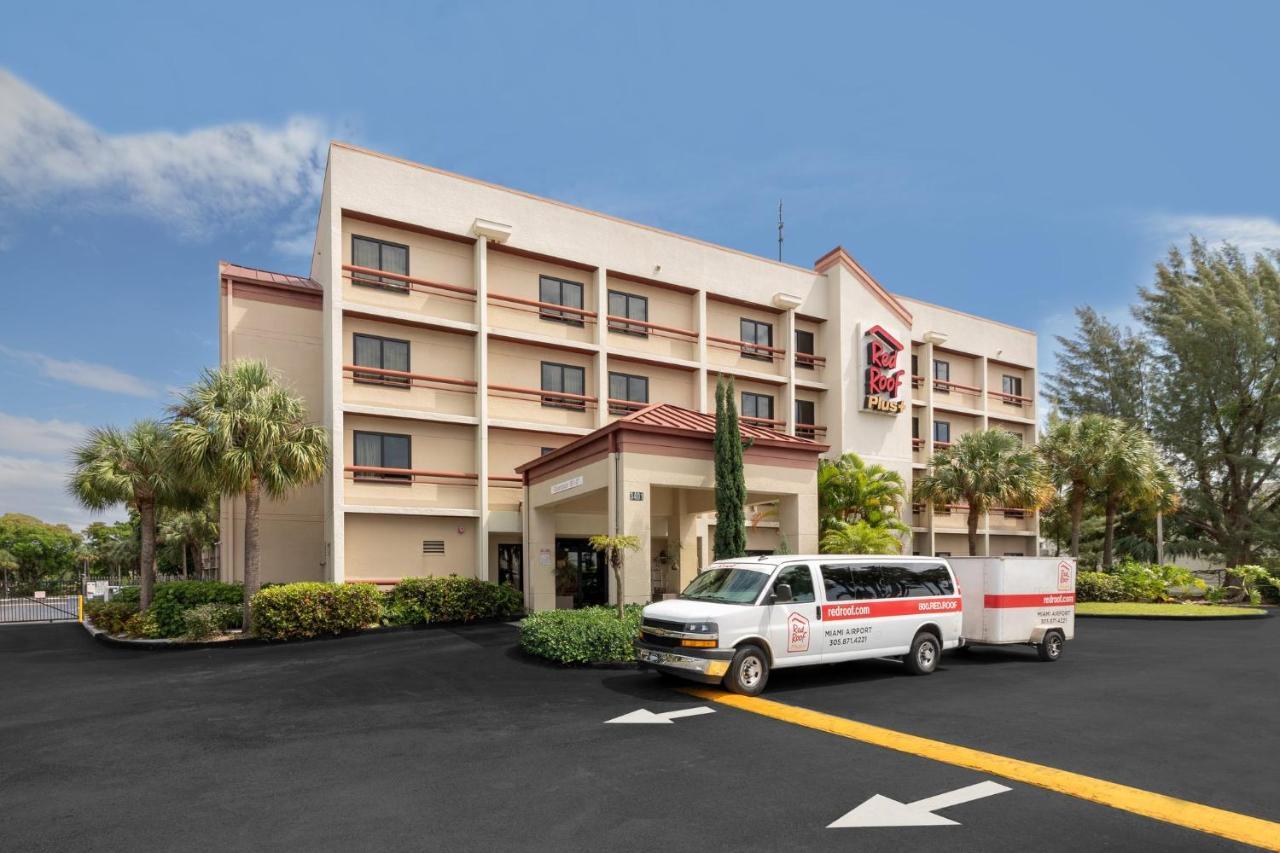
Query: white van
x=738, y=619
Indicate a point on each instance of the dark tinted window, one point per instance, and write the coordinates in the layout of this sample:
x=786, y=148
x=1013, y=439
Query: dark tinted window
x=804, y=345
x=633, y=308
x=379, y=255
x=386, y=353
x=557, y=291
x=800, y=579
x=566, y=379
x=851, y=583
x=848, y=583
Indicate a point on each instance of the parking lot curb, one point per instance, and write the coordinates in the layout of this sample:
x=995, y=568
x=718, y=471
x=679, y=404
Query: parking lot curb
x=1265, y=614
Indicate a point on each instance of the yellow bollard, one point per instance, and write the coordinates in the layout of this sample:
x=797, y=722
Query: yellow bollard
x=79, y=608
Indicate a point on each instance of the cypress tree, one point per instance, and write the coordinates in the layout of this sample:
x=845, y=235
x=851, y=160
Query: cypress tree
x=731, y=485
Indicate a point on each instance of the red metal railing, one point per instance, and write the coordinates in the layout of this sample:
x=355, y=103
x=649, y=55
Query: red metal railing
x=402, y=379
x=369, y=277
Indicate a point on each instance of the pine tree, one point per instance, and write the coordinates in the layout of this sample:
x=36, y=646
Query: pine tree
x=1102, y=370
x=731, y=484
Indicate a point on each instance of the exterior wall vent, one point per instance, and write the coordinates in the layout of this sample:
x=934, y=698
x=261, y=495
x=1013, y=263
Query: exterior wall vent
x=433, y=546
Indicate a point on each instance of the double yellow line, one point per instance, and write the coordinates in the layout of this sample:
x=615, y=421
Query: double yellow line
x=1202, y=818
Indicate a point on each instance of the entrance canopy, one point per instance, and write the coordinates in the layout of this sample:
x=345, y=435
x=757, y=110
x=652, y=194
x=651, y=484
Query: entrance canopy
x=651, y=475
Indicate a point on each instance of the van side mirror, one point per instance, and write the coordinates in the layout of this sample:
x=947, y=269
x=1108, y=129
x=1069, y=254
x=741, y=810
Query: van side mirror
x=781, y=593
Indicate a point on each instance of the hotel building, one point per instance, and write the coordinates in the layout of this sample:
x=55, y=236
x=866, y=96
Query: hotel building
x=452, y=332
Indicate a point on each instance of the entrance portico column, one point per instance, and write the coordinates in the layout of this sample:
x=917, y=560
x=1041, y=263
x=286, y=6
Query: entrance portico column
x=630, y=495
x=685, y=535
x=798, y=521
x=539, y=557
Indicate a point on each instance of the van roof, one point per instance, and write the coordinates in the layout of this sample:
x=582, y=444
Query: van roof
x=777, y=559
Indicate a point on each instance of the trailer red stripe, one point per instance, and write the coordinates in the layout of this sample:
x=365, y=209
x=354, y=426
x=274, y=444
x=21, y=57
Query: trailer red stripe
x=890, y=607
x=1037, y=599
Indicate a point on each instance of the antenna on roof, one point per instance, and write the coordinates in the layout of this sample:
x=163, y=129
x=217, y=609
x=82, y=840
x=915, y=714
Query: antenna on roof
x=779, y=229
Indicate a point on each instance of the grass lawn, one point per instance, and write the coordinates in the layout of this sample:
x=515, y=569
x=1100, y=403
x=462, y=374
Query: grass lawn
x=1186, y=611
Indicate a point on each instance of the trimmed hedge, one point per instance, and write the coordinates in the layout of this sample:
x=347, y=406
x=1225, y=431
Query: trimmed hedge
x=589, y=635
x=416, y=601
x=173, y=599
x=1098, y=586
x=206, y=620
x=300, y=610
x=110, y=616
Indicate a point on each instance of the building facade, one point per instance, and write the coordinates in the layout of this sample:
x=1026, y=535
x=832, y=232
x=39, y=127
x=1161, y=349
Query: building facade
x=451, y=331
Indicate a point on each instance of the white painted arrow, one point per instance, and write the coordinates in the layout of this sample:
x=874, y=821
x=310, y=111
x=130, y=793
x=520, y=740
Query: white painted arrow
x=882, y=811
x=644, y=716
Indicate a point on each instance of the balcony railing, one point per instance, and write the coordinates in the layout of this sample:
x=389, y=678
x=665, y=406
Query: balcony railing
x=407, y=476
x=546, y=310
x=767, y=423
x=370, y=277
x=557, y=399
x=810, y=430
x=626, y=325
x=747, y=349
x=809, y=360
x=404, y=379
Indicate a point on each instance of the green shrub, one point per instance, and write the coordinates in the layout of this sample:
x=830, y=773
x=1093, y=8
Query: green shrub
x=110, y=616
x=415, y=601
x=174, y=598
x=206, y=620
x=1149, y=582
x=297, y=610
x=1098, y=586
x=128, y=594
x=590, y=635
x=143, y=626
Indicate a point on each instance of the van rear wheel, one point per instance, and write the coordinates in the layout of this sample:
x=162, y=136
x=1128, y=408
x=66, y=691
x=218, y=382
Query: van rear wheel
x=748, y=671
x=924, y=654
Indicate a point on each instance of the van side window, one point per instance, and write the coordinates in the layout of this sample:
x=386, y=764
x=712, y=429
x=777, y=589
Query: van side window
x=850, y=583
x=932, y=580
x=800, y=579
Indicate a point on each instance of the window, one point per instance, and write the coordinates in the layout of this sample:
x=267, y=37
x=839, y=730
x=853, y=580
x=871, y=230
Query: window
x=942, y=553
x=433, y=546
x=566, y=379
x=805, y=414
x=915, y=365
x=760, y=334
x=379, y=255
x=1010, y=554
x=382, y=450
x=849, y=583
x=915, y=427
x=804, y=346
x=1013, y=513
x=941, y=374
x=560, y=292
x=942, y=432
x=384, y=353
x=1012, y=386
x=633, y=308
x=633, y=389
x=800, y=579
x=757, y=406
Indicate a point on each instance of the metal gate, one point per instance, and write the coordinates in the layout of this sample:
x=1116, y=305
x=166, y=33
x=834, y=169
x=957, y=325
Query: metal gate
x=42, y=607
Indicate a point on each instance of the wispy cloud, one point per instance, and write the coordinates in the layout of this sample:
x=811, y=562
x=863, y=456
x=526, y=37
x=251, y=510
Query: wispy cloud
x=1250, y=233
x=85, y=374
x=39, y=487
x=44, y=438
x=192, y=180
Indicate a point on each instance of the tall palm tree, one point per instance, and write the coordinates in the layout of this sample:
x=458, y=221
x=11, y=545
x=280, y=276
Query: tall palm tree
x=1131, y=477
x=248, y=434
x=862, y=537
x=136, y=468
x=1075, y=453
x=986, y=468
x=849, y=490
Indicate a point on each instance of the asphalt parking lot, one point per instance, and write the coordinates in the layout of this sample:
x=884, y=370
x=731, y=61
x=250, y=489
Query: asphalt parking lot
x=452, y=739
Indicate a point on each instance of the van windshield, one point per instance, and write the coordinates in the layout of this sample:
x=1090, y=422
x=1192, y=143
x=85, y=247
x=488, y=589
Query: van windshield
x=732, y=586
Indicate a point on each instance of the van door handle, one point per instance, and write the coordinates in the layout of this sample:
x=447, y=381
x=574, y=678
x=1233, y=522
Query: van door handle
x=818, y=608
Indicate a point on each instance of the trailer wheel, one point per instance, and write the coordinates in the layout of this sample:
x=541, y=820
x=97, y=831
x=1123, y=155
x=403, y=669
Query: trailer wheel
x=924, y=654
x=1050, y=648
x=748, y=671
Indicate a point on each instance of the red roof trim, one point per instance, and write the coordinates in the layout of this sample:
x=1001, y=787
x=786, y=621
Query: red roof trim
x=839, y=256
x=886, y=337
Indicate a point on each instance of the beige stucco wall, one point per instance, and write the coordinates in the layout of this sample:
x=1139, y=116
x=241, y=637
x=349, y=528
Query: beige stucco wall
x=291, y=531
x=432, y=447
x=513, y=364
x=390, y=546
x=431, y=352
x=518, y=276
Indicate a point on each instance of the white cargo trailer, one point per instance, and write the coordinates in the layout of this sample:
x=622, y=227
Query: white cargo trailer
x=1017, y=600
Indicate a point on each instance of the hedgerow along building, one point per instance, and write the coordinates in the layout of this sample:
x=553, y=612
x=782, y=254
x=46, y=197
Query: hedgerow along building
x=504, y=375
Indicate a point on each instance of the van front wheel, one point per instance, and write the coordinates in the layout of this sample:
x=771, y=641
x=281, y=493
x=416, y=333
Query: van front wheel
x=748, y=671
x=924, y=654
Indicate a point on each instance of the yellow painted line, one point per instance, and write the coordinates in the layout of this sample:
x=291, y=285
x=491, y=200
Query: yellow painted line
x=1202, y=818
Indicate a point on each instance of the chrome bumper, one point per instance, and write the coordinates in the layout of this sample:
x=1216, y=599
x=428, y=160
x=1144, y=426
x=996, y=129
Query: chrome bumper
x=710, y=665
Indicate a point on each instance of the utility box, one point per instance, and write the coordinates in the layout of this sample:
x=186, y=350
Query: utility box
x=1018, y=600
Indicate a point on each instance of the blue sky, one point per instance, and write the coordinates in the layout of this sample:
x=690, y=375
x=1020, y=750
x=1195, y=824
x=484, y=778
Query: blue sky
x=1009, y=159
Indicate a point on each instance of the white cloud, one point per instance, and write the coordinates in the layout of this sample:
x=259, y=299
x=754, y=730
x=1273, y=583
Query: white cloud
x=85, y=374
x=44, y=438
x=39, y=487
x=48, y=156
x=1250, y=233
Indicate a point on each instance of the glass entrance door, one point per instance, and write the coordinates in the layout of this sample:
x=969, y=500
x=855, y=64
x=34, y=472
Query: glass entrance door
x=587, y=567
x=511, y=565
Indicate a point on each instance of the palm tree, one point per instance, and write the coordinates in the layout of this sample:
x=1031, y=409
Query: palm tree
x=1131, y=477
x=191, y=532
x=850, y=490
x=8, y=563
x=982, y=469
x=247, y=433
x=136, y=468
x=862, y=537
x=1074, y=453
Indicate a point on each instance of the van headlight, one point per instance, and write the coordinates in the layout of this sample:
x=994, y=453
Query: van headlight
x=701, y=628
x=707, y=635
